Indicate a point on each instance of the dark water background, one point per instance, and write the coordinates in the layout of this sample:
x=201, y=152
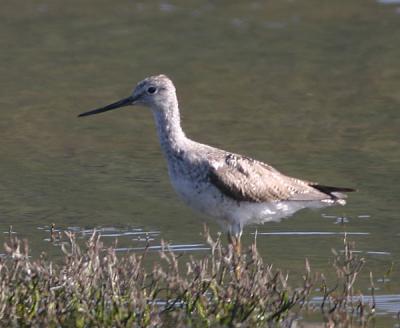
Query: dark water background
x=310, y=87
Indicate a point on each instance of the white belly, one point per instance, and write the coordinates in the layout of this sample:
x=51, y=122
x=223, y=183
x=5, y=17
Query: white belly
x=234, y=215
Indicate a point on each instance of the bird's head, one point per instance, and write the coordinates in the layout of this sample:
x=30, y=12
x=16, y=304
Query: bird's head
x=155, y=92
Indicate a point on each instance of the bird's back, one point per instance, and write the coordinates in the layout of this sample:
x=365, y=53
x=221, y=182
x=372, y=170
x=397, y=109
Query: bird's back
x=245, y=179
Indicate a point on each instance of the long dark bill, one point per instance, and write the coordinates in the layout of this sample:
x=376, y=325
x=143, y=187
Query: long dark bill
x=122, y=103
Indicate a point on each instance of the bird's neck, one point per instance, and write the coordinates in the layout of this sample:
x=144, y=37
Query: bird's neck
x=172, y=138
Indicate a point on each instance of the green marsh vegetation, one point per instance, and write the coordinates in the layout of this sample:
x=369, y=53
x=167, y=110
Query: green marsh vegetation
x=95, y=287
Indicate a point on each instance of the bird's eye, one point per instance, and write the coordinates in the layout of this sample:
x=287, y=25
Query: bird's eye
x=151, y=90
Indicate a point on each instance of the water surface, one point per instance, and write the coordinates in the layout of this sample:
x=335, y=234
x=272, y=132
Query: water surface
x=312, y=88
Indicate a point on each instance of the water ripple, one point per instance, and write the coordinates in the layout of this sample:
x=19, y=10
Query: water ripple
x=310, y=233
x=384, y=304
x=172, y=248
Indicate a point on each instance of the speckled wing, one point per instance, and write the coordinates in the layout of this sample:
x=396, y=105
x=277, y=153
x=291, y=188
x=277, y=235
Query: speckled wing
x=245, y=179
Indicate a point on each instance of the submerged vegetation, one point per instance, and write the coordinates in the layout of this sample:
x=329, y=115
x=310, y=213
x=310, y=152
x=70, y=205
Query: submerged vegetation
x=94, y=287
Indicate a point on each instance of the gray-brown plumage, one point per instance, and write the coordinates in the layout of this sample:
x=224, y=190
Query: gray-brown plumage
x=245, y=179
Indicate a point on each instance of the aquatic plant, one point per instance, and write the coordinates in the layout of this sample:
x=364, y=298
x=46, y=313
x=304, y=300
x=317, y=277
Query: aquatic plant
x=95, y=287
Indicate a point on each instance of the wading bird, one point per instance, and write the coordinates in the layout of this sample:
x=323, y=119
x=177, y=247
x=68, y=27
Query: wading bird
x=234, y=189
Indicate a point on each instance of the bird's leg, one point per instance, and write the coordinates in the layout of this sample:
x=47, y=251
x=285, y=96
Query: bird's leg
x=234, y=240
x=234, y=234
x=237, y=246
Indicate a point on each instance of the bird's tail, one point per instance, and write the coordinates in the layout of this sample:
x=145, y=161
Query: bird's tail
x=336, y=193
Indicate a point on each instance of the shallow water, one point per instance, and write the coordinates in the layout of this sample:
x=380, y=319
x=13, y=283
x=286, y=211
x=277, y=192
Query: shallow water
x=309, y=87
